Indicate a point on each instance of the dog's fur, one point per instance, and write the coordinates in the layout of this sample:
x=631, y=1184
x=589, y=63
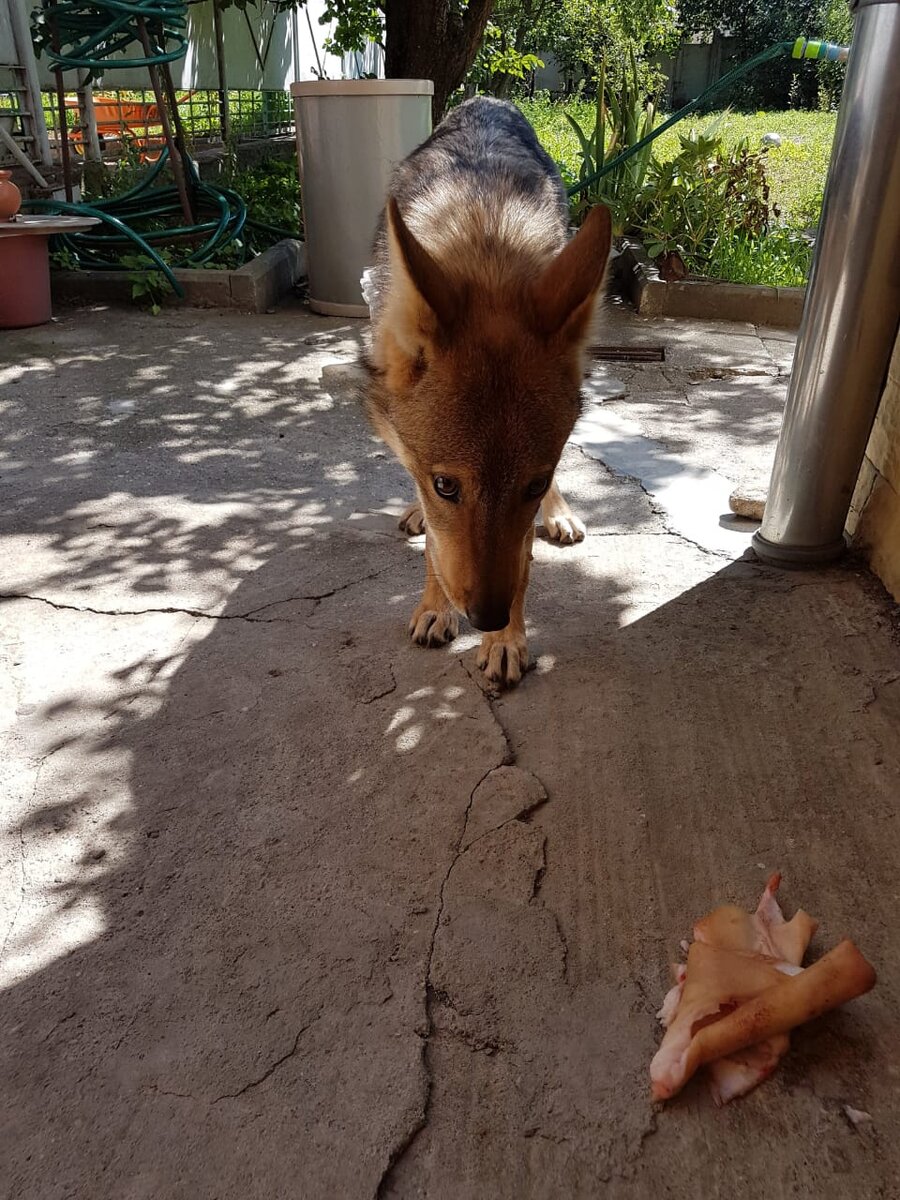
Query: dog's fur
x=476, y=362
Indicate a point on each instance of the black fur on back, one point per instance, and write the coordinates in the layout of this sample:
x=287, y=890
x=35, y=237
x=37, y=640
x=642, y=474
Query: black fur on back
x=484, y=155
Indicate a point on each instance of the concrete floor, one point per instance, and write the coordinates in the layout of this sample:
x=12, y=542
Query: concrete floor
x=292, y=908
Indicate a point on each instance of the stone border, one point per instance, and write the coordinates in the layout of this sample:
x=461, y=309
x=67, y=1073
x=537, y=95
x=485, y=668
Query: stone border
x=705, y=299
x=255, y=287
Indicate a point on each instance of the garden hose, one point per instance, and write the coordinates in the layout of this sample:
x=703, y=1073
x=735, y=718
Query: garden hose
x=86, y=34
x=222, y=220
x=800, y=48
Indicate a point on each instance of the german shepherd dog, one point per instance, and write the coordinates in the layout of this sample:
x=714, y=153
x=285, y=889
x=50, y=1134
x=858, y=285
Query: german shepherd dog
x=475, y=363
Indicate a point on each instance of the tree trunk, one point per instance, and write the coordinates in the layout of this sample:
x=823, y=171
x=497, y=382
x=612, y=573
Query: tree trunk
x=433, y=39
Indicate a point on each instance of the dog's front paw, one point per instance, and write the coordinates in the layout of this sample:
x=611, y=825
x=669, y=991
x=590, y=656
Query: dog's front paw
x=566, y=529
x=560, y=523
x=503, y=657
x=428, y=627
x=413, y=521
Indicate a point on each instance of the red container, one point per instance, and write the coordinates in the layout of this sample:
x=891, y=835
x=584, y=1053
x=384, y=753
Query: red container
x=24, y=281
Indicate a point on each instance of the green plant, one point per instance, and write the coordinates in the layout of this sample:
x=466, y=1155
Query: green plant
x=586, y=33
x=781, y=258
x=63, y=259
x=102, y=182
x=500, y=63
x=271, y=193
x=621, y=119
x=707, y=191
x=148, y=287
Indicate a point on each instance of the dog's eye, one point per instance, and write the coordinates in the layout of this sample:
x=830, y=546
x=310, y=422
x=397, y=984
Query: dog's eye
x=446, y=487
x=537, y=487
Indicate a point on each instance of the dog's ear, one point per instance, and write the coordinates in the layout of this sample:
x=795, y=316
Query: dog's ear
x=418, y=281
x=564, y=294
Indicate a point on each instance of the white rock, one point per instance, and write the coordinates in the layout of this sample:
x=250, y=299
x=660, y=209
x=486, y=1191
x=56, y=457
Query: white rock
x=748, y=501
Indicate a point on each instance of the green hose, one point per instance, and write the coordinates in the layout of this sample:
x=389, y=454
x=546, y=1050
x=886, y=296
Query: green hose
x=799, y=48
x=138, y=218
x=86, y=34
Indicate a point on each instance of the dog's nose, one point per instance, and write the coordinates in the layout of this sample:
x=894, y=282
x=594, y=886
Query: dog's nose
x=489, y=617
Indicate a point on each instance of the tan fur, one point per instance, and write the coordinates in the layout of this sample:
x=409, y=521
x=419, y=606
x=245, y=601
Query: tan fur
x=478, y=367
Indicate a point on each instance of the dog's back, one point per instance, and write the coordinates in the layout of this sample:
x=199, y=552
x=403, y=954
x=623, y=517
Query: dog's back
x=483, y=197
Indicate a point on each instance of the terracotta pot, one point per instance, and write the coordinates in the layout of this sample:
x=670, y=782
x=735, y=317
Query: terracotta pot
x=10, y=196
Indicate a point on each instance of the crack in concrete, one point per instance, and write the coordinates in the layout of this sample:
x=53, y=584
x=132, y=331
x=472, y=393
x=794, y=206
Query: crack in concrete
x=656, y=509
x=387, y=691
x=523, y=817
x=271, y=1069
x=431, y=994
x=434, y=995
x=490, y=698
x=250, y=615
x=535, y=898
x=876, y=689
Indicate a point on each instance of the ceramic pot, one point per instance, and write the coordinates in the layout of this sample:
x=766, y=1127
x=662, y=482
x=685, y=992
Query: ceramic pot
x=10, y=196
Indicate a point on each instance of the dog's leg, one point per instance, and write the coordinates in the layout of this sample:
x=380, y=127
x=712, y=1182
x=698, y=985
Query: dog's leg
x=413, y=520
x=559, y=521
x=503, y=656
x=434, y=621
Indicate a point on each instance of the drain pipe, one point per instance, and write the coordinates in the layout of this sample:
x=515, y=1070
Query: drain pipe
x=852, y=311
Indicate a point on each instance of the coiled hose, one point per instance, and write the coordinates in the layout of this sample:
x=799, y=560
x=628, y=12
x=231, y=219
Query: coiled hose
x=222, y=216
x=85, y=34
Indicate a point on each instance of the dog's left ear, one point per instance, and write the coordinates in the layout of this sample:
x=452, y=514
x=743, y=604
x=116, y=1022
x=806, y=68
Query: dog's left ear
x=564, y=294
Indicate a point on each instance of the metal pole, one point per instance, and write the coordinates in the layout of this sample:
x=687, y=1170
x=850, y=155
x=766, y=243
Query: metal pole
x=224, y=114
x=85, y=95
x=852, y=310
x=64, y=151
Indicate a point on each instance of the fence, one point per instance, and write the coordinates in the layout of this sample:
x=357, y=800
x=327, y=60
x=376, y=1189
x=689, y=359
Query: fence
x=131, y=118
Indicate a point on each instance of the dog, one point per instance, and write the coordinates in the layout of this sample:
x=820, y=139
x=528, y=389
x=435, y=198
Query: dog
x=475, y=363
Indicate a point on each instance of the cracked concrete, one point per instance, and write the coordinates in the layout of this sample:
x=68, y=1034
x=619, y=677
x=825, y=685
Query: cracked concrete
x=291, y=907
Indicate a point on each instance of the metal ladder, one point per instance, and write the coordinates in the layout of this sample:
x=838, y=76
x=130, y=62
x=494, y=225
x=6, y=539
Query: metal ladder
x=19, y=80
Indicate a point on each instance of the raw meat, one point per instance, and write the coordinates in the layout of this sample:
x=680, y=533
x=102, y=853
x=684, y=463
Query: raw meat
x=742, y=990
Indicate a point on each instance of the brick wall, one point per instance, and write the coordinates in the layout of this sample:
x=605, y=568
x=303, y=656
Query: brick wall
x=875, y=515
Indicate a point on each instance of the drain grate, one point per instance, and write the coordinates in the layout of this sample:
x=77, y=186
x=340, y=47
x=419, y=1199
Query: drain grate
x=629, y=354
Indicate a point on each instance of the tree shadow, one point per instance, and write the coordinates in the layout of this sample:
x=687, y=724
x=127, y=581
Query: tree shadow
x=233, y=892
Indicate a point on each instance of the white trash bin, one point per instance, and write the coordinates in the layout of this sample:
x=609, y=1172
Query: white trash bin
x=350, y=133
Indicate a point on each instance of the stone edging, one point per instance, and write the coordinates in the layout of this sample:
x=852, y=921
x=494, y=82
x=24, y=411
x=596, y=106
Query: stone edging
x=703, y=298
x=255, y=287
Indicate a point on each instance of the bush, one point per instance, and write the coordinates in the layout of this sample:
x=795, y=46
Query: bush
x=709, y=190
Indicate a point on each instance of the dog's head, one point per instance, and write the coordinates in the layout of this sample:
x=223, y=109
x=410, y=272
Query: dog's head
x=482, y=386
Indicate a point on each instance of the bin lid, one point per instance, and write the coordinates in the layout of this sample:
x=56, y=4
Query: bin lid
x=363, y=87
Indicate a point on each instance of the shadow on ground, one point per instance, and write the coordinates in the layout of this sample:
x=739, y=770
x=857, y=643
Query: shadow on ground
x=303, y=911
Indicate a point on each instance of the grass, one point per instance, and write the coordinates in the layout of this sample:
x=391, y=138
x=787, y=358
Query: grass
x=781, y=259
x=796, y=168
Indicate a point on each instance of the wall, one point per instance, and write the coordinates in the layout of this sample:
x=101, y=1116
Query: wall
x=875, y=515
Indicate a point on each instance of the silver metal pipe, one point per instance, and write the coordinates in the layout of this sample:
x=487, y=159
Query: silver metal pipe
x=852, y=311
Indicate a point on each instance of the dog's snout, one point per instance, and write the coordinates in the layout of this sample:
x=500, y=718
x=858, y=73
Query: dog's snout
x=488, y=618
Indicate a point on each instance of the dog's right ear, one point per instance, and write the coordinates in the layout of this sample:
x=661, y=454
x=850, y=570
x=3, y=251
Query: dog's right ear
x=565, y=294
x=424, y=302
